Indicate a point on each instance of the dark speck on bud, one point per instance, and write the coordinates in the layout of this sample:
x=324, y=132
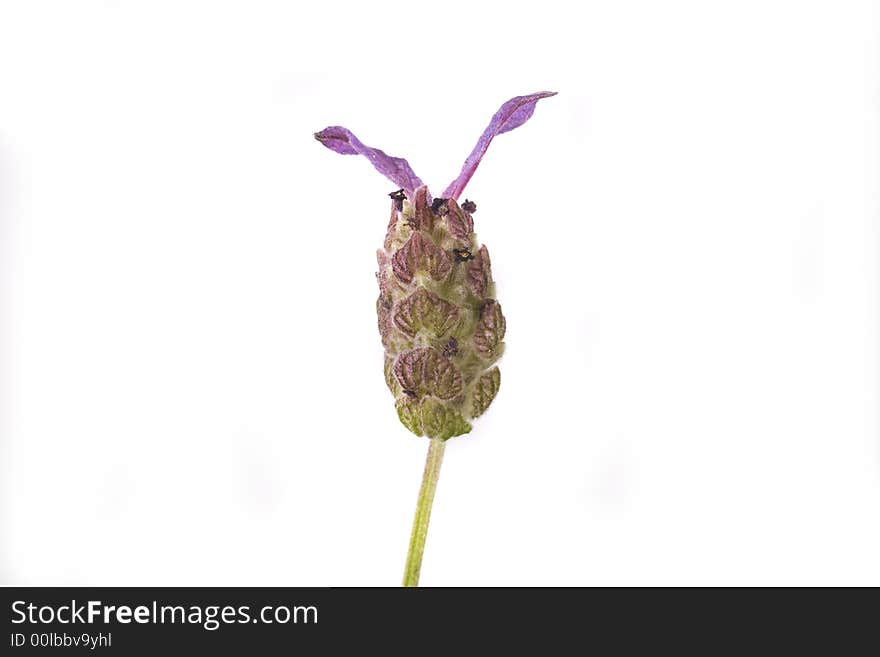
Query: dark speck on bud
x=409, y=393
x=398, y=197
x=439, y=207
x=469, y=206
x=451, y=348
x=462, y=255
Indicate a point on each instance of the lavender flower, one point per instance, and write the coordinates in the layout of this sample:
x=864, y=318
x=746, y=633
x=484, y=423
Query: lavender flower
x=440, y=323
x=441, y=326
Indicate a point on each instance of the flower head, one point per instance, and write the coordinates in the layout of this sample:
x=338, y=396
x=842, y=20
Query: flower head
x=440, y=323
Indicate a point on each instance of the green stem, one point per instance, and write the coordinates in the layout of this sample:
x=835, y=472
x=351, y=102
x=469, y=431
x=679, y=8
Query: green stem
x=423, y=512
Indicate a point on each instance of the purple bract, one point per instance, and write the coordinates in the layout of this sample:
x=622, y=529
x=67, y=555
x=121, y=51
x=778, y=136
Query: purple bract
x=510, y=115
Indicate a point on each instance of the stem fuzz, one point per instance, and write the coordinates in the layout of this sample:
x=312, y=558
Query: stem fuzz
x=423, y=512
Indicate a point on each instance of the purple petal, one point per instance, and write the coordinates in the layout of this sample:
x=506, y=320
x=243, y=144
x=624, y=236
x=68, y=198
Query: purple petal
x=512, y=114
x=396, y=169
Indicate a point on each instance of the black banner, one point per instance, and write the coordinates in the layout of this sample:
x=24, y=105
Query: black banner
x=134, y=621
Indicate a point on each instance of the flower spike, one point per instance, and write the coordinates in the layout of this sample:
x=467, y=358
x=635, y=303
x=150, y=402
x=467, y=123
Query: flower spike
x=441, y=326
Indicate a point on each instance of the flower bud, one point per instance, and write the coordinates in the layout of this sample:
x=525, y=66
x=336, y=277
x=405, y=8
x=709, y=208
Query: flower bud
x=441, y=330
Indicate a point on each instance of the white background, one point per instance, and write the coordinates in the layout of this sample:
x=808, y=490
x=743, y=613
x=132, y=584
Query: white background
x=685, y=242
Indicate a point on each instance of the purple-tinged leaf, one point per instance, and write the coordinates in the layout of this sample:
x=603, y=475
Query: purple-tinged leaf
x=392, y=226
x=490, y=329
x=383, y=312
x=484, y=391
x=420, y=253
x=459, y=222
x=422, y=216
x=511, y=114
x=396, y=169
x=479, y=273
x=424, y=371
x=424, y=311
